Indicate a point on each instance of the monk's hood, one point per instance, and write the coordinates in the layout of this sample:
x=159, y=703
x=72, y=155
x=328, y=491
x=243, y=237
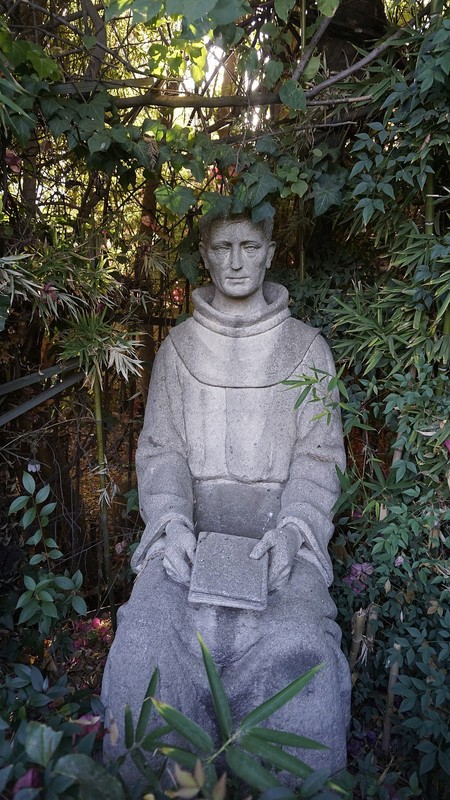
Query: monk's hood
x=242, y=352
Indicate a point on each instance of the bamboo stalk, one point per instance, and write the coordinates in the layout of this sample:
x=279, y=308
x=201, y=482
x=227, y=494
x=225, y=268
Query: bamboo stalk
x=358, y=626
x=387, y=724
x=104, y=523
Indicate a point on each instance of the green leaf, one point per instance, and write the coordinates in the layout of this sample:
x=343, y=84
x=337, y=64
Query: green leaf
x=28, y=483
x=300, y=187
x=311, y=69
x=328, y=7
x=287, y=739
x=326, y=192
x=29, y=582
x=269, y=707
x=275, y=755
x=179, y=200
x=55, y=555
x=36, y=559
x=293, y=96
x=314, y=783
x=146, y=707
x=50, y=610
x=78, y=605
x=18, y=503
x=47, y=509
x=35, y=538
x=250, y=770
x=191, y=11
x=99, y=142
x=129, y=728
x=89, y=42
x=62, y=582
x=41, y=742
x=283, y=7
x=188, y=265
x=93, y=779
x=226, y=12
x=273, y=71
x=143, y=10
x=185, y=726
x=151, y=740
x=262, y=211
x=220, y=700
x=43, y=493
x=183, y=757
x=28, y=517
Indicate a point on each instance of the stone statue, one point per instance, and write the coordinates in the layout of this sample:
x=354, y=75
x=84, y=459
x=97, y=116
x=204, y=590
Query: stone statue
x=223, y=450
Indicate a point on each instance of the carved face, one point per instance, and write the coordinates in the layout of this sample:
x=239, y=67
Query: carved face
x=237, y=255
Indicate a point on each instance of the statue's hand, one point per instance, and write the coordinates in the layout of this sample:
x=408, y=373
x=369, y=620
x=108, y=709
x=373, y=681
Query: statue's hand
x=179, y=554
x=284, y=544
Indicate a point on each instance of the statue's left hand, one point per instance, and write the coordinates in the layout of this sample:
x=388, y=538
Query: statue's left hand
x=284, y=544
x=179, y=552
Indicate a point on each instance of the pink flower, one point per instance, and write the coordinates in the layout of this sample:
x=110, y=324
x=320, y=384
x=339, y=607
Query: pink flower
x=30, y=780
x=398, y=561
x=447, y=444
x=90, y=723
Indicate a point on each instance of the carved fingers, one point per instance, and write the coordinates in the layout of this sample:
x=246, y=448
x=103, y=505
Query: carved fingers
x=179, y=552
x=282, y=545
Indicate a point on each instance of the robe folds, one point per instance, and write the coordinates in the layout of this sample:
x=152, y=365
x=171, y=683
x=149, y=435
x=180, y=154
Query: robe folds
x=222, y=448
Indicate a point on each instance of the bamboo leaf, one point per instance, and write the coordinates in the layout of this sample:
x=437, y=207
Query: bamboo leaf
x=250, y=770
x=221, y=705
x=275, y=755
x=287, y=739
x=190, y=731
x=277, y=701
x=146, y=708
x=129, y=728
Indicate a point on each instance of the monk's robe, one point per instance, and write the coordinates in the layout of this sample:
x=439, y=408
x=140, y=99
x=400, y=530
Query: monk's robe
x=223, y=449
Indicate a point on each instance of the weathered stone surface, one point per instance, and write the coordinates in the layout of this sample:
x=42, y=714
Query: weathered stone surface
x=222, y=449
x=223, y=573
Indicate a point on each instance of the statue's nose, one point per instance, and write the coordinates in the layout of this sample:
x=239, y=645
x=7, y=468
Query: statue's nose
x=236, y=259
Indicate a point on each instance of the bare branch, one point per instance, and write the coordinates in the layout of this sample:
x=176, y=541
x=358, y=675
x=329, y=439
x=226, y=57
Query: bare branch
x=306, y=56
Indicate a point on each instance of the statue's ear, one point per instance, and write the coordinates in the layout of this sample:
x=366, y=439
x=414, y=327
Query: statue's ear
x=270, y=254
x=203, y=252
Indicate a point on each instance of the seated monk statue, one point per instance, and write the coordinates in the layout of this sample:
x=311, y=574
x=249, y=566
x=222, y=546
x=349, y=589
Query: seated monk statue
x=222, y=449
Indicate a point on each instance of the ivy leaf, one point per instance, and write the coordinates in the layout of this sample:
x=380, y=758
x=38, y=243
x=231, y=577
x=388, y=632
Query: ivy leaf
x=143, y=10
x=262, y=211
x=191, y=11
x=179, y=200
x=311, y=69
x=224, y=13
x=215, y=204
x=326, y=192
x=283, y=7
x=273, y=71
x=293, y=96
x=328, y=7
x=261, y=182
x=99, y=142
x=187, y=265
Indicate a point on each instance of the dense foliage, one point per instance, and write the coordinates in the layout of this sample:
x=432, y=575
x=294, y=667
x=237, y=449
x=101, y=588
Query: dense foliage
x=119, y=128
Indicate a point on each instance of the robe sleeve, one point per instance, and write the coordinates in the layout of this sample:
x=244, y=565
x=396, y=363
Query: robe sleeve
x=163, y=475
x=313, y=487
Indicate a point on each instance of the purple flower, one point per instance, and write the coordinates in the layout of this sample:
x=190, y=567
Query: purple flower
x=447, y=444
x=30, y=780
x=398, y=561
x=356, y=578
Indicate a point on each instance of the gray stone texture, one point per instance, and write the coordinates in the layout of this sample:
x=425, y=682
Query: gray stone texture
x=222, y=449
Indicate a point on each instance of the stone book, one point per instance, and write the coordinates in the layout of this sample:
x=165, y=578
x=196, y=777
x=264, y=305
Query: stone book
x=223, y=573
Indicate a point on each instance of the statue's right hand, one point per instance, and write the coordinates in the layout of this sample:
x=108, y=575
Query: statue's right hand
x=179, y=553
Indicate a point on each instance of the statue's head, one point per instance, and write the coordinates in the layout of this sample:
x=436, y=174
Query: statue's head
x=237, y=252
